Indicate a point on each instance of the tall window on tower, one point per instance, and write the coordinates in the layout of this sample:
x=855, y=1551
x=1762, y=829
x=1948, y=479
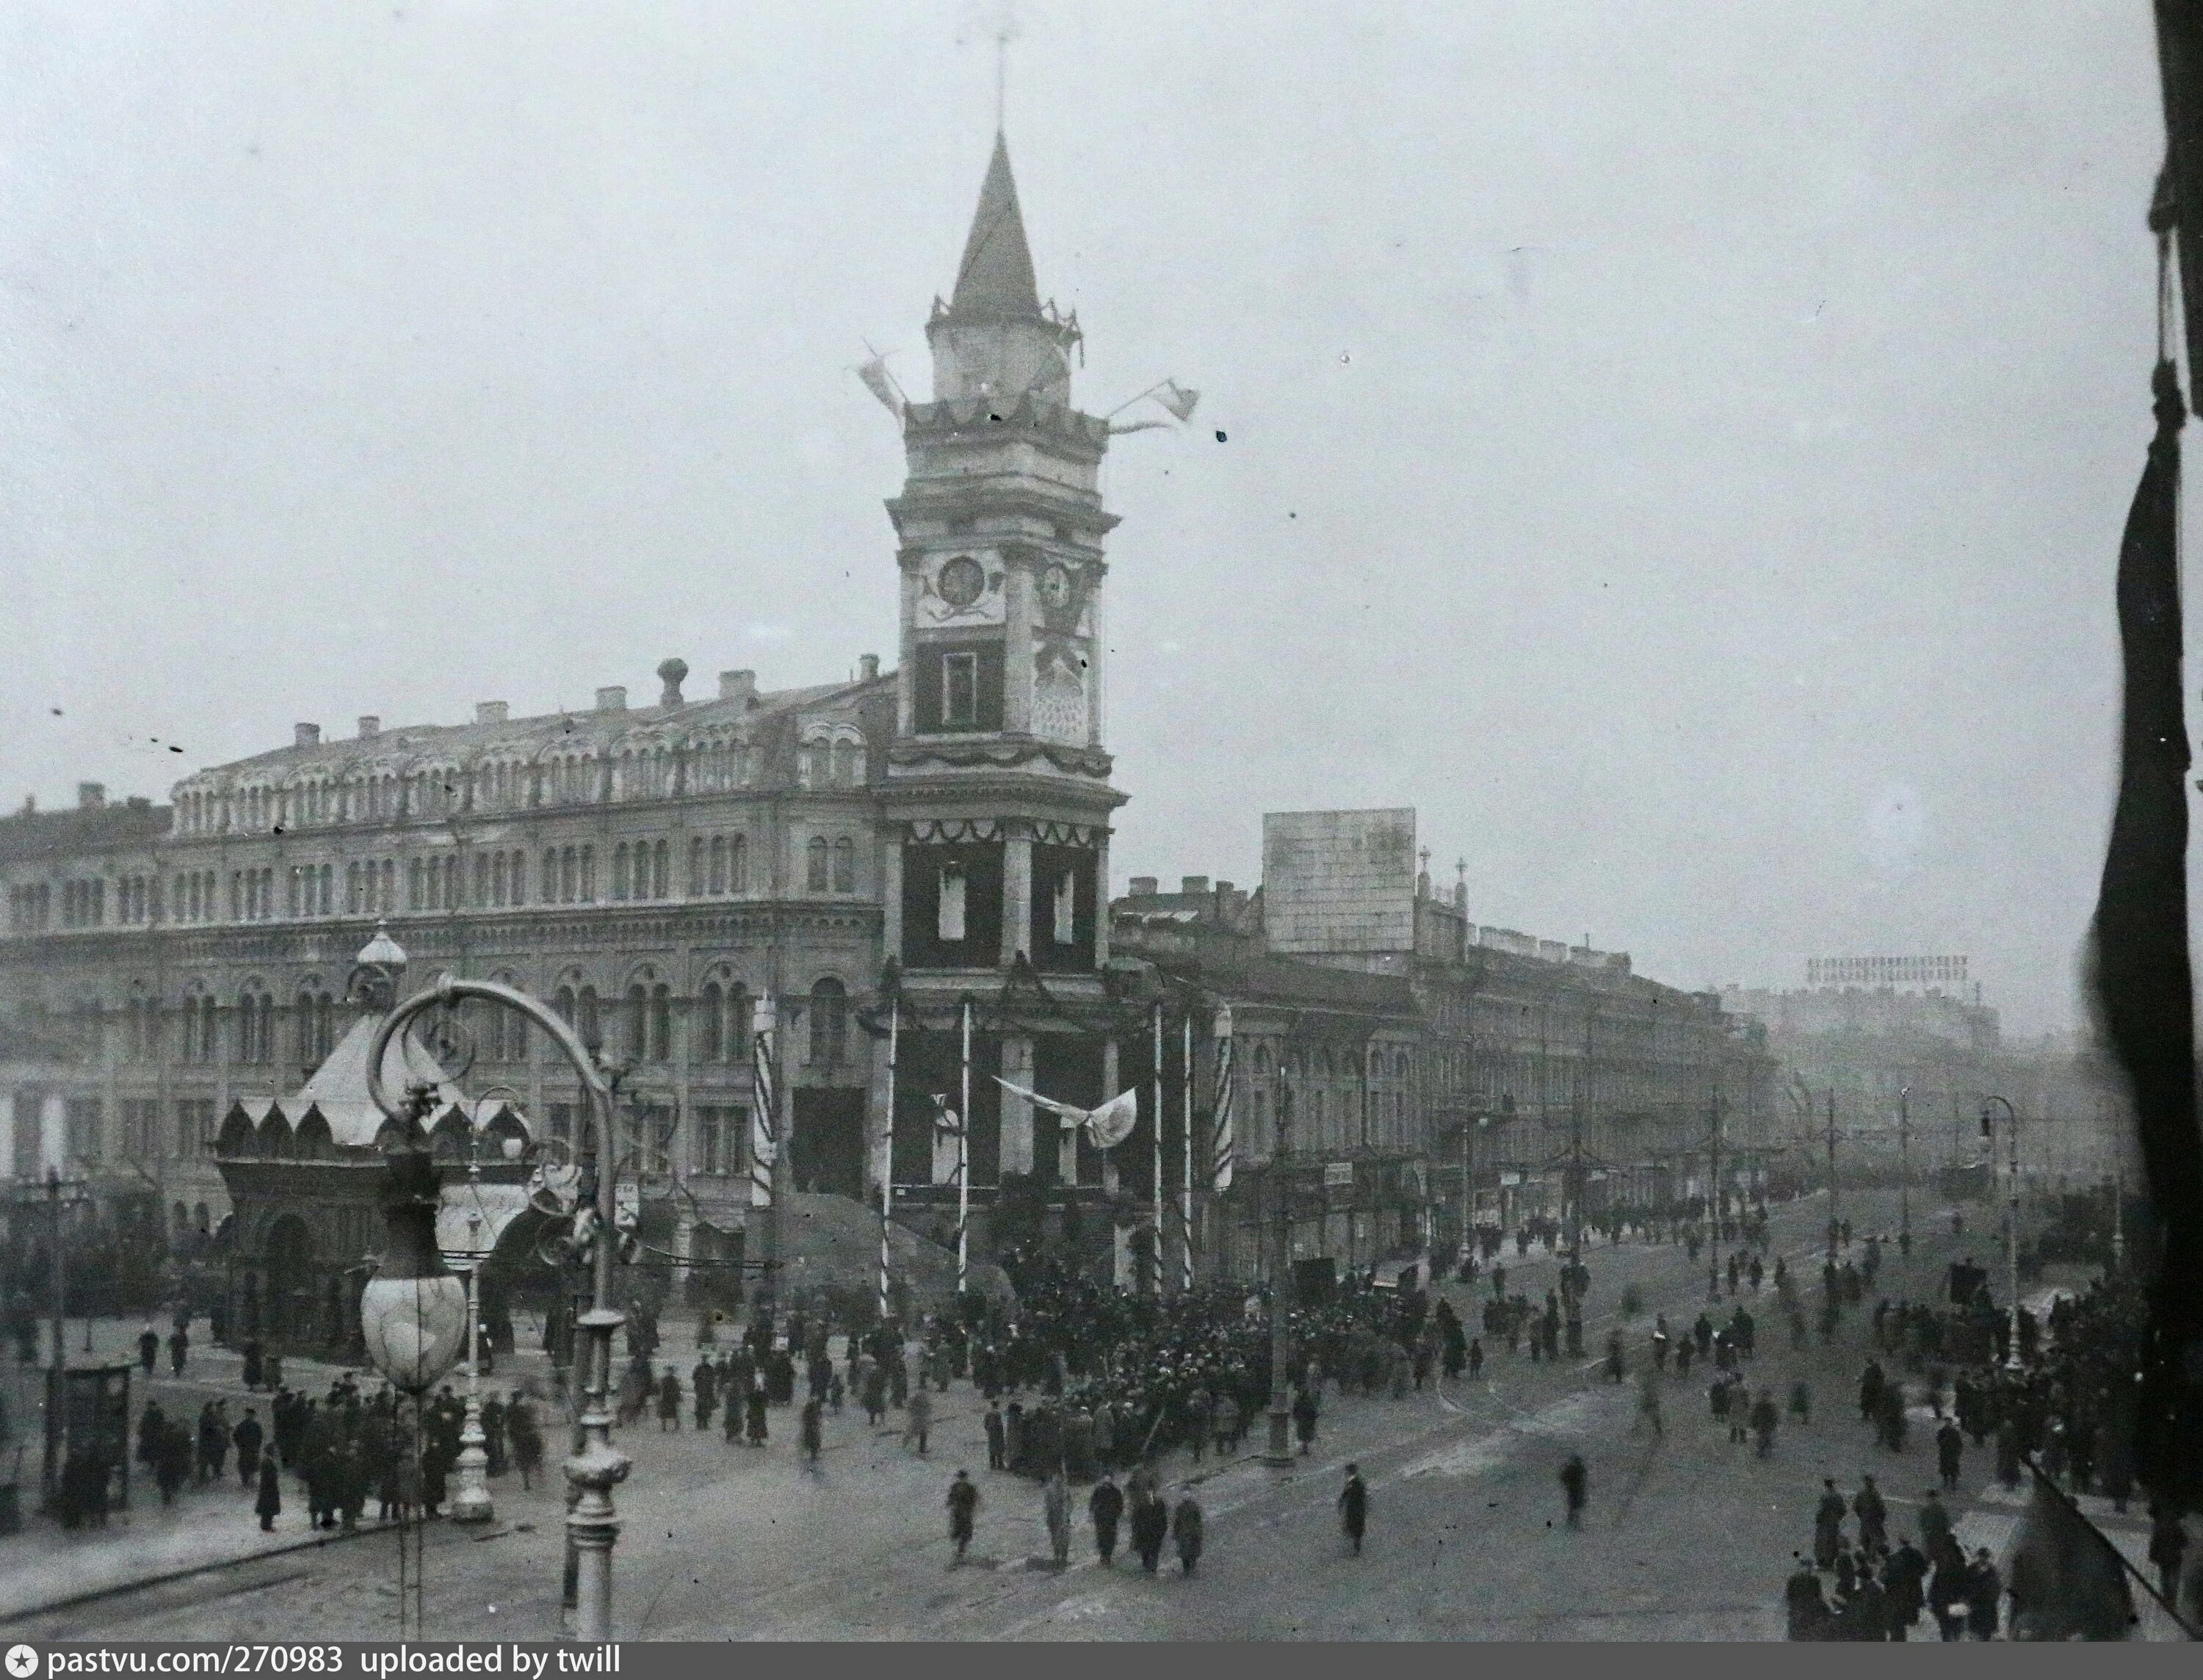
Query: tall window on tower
x=959, y=686
x=951, y=918
x=1063, y=908
x=960, y=691
x=1066, y=897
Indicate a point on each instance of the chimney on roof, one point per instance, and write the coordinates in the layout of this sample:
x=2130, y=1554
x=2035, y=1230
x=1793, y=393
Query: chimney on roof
x=489, y=711
x=1144, y=886
x=868, y=667
x=738, y=685
x=305, y=734
x=92, y=796
x=1193, y=885
x=369, y=727
x=612, y=699
x=673, y=673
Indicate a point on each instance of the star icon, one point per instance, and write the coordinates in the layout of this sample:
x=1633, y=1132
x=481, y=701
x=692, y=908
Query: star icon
x=22, y=1662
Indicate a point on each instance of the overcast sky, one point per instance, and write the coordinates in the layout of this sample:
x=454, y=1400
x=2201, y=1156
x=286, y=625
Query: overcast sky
x=1679, y=448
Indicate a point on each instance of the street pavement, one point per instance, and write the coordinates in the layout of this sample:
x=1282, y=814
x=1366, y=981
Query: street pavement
x=1686, y=1538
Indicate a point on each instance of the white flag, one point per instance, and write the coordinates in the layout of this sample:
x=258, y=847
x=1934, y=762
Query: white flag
x=1178, y=399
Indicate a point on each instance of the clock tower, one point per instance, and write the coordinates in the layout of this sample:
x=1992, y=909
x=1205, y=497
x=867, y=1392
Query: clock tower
x=997, y=799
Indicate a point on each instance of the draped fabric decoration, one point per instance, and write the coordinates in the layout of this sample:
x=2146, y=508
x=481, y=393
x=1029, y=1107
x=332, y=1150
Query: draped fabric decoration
x=764, y=1104
x=948, y=1142
x=1221, y=1155
x=2143, y=979
x=1105, y=1127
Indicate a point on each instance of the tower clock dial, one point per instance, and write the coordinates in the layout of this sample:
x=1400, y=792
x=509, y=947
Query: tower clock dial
x=1056, y=589
x=962, y=582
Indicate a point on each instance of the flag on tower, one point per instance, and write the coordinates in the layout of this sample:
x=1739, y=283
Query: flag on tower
x=1178, y=399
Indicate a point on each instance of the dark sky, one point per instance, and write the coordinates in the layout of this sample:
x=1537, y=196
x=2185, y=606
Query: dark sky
x=1677, y=448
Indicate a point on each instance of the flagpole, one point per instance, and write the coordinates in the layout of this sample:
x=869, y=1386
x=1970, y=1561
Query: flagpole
x=887, y=1152
x=1155, y=1153
x=1186, y=1189
x=964, y=1165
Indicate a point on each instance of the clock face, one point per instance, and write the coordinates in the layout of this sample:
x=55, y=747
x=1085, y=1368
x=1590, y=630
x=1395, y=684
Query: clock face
x=1055, y=588
x=962, y=582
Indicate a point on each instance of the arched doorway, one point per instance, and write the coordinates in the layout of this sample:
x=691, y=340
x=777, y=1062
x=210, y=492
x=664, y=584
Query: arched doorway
x=292, y=1309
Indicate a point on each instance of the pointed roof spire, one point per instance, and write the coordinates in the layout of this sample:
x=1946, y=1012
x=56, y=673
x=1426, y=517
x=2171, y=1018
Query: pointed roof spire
x=996, y=276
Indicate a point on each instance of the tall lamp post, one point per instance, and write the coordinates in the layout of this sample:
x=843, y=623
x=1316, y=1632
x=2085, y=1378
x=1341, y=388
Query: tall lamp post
x=2010, y=1213
x=597, y=1466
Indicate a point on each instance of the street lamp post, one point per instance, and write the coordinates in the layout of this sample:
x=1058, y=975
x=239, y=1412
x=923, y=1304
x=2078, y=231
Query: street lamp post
x=2011, y=1216
x=472, y=1503
x=596, y=1466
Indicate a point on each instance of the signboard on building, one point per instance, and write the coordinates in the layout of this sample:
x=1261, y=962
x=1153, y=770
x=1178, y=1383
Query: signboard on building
x=1338, y=1175
x=1886, y=971
x=1339, y=881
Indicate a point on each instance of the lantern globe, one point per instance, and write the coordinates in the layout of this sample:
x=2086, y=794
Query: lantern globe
x=413, y=1311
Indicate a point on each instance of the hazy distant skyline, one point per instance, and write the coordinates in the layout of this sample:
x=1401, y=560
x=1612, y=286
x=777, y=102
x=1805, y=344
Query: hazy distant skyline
x=1680, y=449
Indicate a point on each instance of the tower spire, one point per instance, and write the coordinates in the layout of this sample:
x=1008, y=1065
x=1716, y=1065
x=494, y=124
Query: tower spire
x=995, y=278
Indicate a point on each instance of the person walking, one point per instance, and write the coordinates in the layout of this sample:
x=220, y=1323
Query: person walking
x=1575, y=1484
x=2168, y=1547
x=997, y=1457
x=1648, y=1403
x=755, y=1415
x=1150, y=1528
x=917, y=1419
x=179, y=1348
x=1763, y=1420
x=1984, y=1592
x=669, y=1402
x=1304, y=1416
x=1186, y=1528
x=269, y=1504
x=814, y=1430
x=1829, y=1525
x=1354, y=1508
x=1873, y=1516
x=963, y=1506
x=1935, y=1523
x=246, y=1437
x=527, y=1437
x=1106, y=1505
x=149, y=1349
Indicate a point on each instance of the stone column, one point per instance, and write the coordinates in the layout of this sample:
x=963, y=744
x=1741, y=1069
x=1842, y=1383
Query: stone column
x=1110, y=1088
x=1101, y=899
x=1017, y=1113
x=891, y=844
x=1017, y=897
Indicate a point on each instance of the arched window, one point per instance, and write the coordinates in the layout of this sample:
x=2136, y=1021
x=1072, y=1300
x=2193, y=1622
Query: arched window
x=302, y=1028
x=661, y=1022
x=550, y=878
x=497, y=878
x=845, y=865
x=716, y=881
x=519, y=878
x=569, y=876
x=661, y=876
x=586, y=1023
x=816, y=875
x=738, y=865
x=738, y=1023
x=696, y=867
x=846, y=763
x=711, y=1025
x=619, y=872
x=638, y=1003
x=563, y=1001
x=830, y=1023
x=588, y=875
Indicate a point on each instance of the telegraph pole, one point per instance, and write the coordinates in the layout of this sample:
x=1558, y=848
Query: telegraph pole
x=1280, y=1454
x=57, y=1380
x=1833, y=1217
x=1714, y=1202
x=1904, y=1181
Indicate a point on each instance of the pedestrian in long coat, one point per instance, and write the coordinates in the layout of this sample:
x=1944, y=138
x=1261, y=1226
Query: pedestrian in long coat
x=1354, y=1507
x=1575, y=1484
x=1828, y=1525
x=1055, y=1508
x=704, y=1380
x=149, y=1349
x=1304, y=1416
x=269, y=1504
x=669, y=1401
x=756, y=1417
x=917, y=1419
x=814, y=1430
x=1186, y=1525
x=1150, y=1528
x=246, y=1437
x=1106, y=1505
x=963, y=1505
x=180, y=1348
